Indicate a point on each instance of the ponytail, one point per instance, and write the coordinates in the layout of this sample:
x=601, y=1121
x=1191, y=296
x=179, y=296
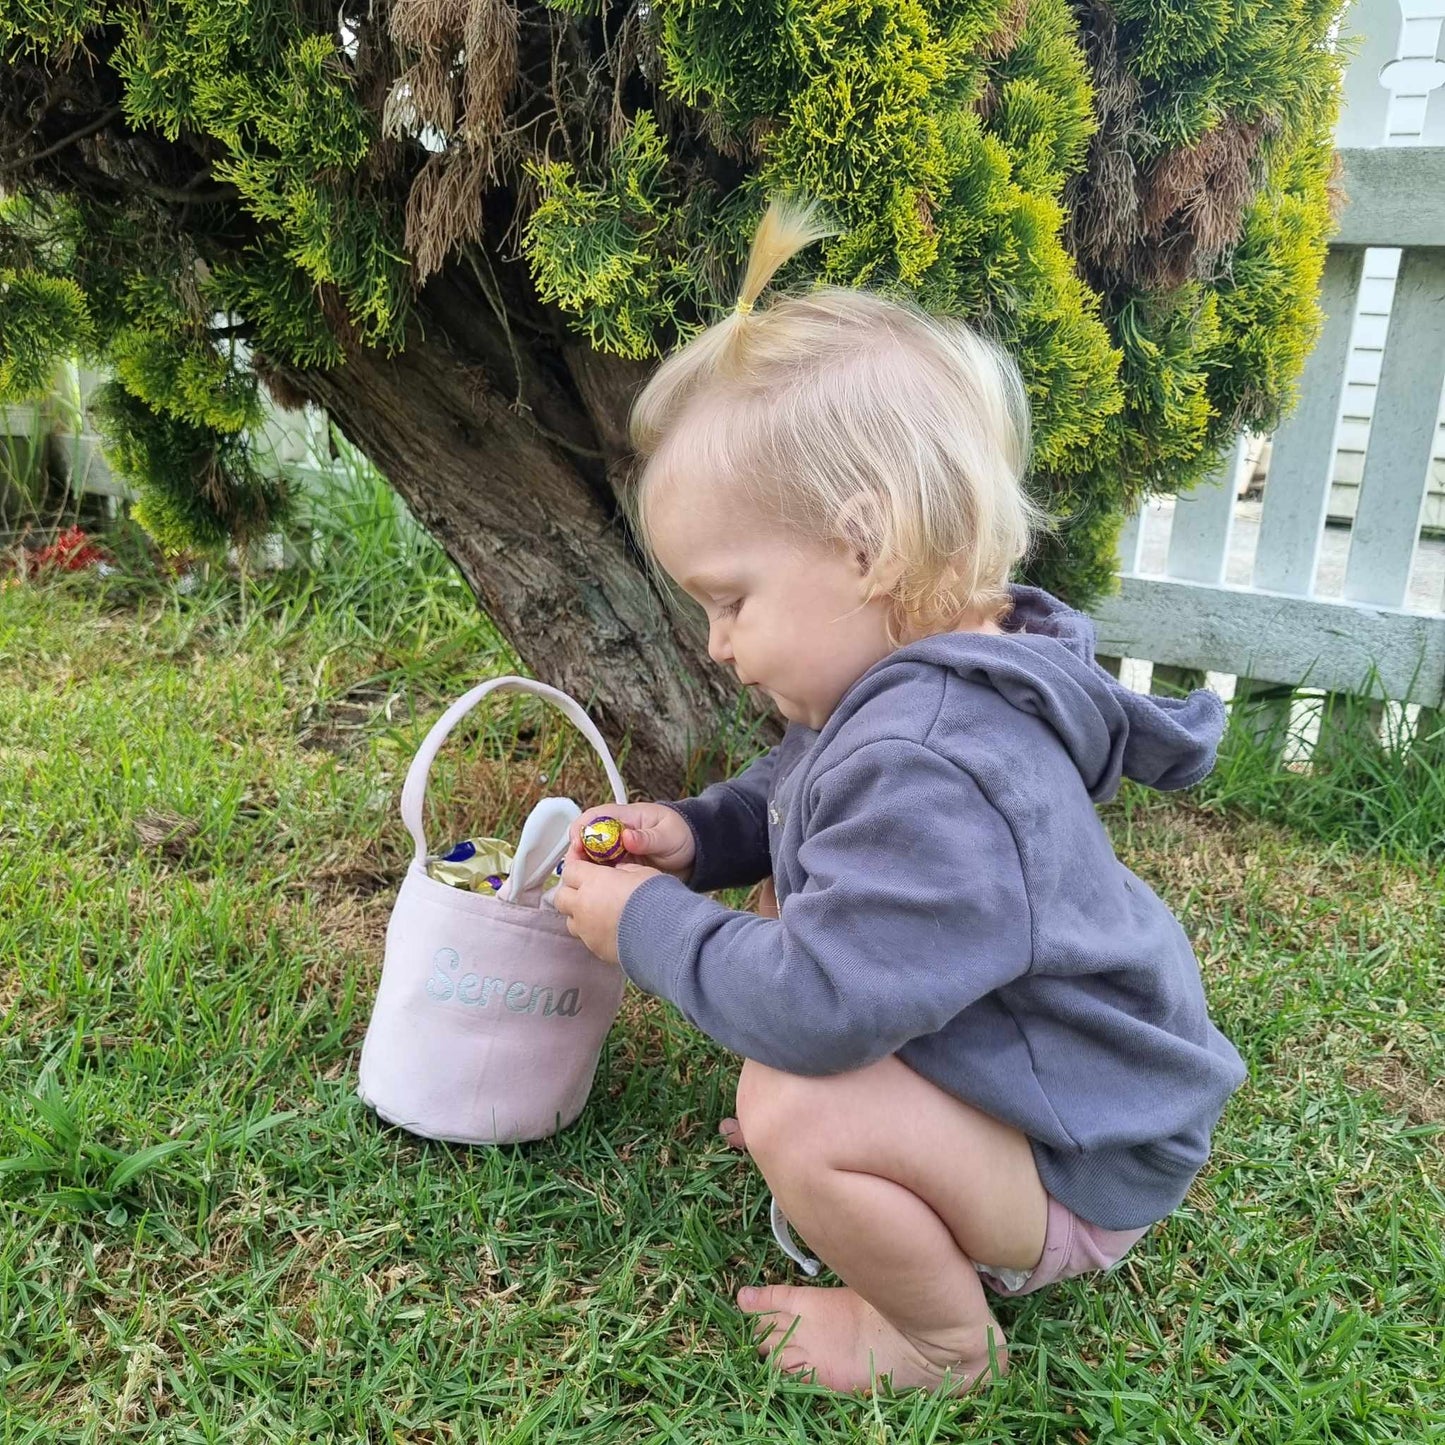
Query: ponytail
x=787, y=227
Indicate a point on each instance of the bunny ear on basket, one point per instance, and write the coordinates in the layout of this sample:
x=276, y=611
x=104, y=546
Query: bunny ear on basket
x=543, y=844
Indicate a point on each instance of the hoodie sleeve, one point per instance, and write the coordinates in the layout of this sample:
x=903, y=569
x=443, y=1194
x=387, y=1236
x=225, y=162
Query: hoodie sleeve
x=912, y=909
x=1172, y=741
x=729, y=823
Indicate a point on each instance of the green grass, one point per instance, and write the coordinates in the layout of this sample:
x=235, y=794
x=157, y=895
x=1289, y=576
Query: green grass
x=1373, y=781
x=207, y=1238
x=31, y=503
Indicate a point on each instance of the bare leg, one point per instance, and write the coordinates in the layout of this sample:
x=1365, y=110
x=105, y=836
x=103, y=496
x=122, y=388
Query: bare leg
x=898, y=1187
x=764, y=903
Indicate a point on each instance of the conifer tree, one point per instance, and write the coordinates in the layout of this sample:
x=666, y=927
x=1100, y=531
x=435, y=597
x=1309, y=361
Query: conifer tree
x=467, y=228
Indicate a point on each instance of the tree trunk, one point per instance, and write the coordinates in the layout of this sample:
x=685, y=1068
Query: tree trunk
x=531, y=522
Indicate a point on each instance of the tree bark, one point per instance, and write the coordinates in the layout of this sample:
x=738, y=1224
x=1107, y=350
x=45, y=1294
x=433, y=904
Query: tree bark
x=530, y=521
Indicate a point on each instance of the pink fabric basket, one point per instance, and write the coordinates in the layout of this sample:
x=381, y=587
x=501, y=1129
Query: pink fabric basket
x=490, y=1017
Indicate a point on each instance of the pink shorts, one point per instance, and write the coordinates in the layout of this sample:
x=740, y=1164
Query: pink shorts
x=1071, y=1246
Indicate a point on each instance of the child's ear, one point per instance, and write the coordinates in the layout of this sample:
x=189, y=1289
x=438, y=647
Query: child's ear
x=862, y=537
x=860, y=530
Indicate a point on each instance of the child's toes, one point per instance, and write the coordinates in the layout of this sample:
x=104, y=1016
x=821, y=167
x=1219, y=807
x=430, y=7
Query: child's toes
x=732, y=1132
x=770, y=1314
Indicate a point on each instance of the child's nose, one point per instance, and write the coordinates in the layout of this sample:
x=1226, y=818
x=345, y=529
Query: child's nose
x=719, y=643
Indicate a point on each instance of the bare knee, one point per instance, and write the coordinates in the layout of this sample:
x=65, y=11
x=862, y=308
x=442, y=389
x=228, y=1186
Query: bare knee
x=788, y=1118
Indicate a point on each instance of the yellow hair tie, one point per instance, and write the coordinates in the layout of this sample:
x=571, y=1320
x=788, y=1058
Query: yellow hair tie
x=743, y=307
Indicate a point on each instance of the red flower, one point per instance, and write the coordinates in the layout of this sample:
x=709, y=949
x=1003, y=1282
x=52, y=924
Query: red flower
x=71, y=551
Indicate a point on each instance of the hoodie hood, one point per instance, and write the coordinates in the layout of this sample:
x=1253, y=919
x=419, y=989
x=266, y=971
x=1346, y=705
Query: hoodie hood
x=1044, y=665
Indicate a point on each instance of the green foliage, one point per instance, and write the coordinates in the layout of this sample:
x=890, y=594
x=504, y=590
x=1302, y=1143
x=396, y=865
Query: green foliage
x=294, y=134
x=963, y=147
x=600, y=249
x=1373, y=787
x=38, y=27
x=194, y=383
x=1220, y=350
x=1267, y=314
x=1173, y=34
x=43, y=320
x=1204, y=60
x=278, y=300
x=199, y=488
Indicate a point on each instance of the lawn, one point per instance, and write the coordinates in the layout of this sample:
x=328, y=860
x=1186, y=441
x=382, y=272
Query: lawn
x=208, y=1238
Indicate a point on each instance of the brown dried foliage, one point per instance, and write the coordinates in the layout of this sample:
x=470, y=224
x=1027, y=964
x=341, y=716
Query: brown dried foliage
x=166, y=832
x=459, y=84
x=490, y=38
x=283, y=391
x=1404, y=1087
x=1196, y=197
x=1005, y=39
x=423, y=24
x=1104, y=199
x=213, y=483
x=1335, y=189
x=444, y=208
x=423, y=95
x=1154, y=224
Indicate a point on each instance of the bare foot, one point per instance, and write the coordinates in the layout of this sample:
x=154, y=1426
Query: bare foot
x=732, y=1131
x=839, y=1335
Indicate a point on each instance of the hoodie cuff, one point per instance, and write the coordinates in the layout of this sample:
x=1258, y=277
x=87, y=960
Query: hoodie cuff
x=656, y=930
x=725, y=841
x=686, y=813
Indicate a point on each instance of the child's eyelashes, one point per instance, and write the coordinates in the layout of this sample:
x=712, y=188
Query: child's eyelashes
x=730, y=609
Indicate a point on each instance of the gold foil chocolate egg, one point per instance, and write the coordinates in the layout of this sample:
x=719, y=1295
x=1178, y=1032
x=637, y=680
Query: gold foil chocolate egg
x=602, y=840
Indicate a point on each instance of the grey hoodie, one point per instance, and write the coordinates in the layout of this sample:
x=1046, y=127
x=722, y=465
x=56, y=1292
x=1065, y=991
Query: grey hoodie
x=948, y=894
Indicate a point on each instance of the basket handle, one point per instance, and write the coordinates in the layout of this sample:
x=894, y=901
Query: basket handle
x=413, y=793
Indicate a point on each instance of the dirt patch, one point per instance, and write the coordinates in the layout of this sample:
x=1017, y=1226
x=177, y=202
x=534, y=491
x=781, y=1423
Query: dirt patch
x=166, y=833
x=1404, y=1087
x=358, y=924
x=1222, y=858
x=353, y=880
x=338, y=725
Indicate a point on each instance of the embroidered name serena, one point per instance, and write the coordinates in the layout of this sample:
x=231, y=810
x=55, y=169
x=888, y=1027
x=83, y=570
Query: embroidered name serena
x=477, y=990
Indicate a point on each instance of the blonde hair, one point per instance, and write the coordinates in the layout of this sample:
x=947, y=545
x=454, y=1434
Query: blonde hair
x=856, y=419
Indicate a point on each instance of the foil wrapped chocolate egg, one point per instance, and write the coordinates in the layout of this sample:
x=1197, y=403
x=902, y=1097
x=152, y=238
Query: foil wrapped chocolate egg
x=602, y=840
x=479, y=865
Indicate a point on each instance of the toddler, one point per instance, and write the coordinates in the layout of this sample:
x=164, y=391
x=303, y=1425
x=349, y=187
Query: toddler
x=976, y=1054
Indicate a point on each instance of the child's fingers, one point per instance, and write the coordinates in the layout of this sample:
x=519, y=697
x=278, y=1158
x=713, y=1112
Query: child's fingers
x=574, y=874
x=639, y=840
x=649, y=834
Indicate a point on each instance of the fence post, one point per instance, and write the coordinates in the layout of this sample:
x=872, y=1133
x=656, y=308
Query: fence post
x=1199, y=549
x=1130, y=545
x=1296, y=494
x=1396, y=477
x=1428, y=744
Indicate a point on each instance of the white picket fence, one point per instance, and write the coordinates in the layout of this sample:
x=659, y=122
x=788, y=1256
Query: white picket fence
x=1268, y=597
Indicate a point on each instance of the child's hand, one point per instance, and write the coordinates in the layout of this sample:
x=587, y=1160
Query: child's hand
x=591, y=896
x=653, y=835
